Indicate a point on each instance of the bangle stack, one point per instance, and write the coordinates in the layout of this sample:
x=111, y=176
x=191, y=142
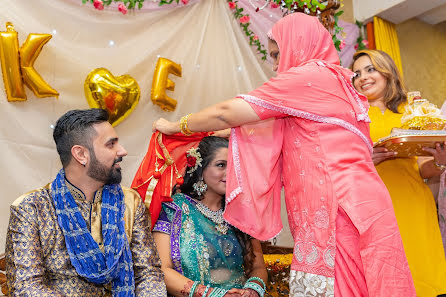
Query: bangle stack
x=206, y=290
x=192, y=289
x=183, y=125
x=216, y=292
x=250, y=284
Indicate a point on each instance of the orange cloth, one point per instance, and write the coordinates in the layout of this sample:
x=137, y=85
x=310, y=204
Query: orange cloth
x=371, y=36
x=170, y=152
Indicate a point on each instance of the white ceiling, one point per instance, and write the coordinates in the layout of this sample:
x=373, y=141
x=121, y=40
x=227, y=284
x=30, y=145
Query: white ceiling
x=434, y=16
x=398, y=11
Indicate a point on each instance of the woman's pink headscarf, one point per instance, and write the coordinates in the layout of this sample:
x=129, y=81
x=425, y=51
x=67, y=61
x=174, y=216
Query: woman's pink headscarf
x=302, y=38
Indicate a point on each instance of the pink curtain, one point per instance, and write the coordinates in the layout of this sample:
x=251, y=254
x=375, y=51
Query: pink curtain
x=351, y=32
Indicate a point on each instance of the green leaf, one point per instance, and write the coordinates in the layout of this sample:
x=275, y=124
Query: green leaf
x=339, y=13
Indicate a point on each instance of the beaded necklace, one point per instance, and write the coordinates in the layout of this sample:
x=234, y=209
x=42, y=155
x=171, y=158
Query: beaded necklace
x=215, y=216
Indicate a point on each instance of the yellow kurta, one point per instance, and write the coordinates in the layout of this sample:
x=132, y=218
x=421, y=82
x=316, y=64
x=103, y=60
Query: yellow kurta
x=415, y=210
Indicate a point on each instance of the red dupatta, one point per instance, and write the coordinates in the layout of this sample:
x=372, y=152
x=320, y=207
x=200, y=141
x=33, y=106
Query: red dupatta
x=169, y=151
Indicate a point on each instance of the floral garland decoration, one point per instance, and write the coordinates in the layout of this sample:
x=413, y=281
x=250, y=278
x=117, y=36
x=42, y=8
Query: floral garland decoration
x=361, y=43
x=308, y=6
x=244, y=23
x=162, y=2
x=315, y=7
x=122, y=7
x=337, y=29
x=127, y=4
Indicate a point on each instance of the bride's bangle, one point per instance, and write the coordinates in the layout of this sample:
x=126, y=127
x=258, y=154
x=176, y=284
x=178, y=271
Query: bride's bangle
x=192, y=290
x=183, y=125
x=250, y=284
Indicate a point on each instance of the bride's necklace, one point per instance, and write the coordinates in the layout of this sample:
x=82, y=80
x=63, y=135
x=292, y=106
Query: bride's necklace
x=215, y=216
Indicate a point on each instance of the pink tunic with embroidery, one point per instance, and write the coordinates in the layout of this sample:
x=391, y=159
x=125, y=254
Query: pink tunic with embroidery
x=316, y=168
x=315, y=141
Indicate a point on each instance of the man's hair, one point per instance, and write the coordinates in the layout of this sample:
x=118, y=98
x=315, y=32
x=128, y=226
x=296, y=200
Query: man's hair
x=76, y=128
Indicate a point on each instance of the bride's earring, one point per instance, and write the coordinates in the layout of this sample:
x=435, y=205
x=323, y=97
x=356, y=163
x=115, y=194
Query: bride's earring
x=200, y=187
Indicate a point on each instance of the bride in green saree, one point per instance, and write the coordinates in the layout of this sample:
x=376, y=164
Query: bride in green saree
x=201, y=254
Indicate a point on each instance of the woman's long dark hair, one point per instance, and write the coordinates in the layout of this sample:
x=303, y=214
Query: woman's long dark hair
x=208, y=148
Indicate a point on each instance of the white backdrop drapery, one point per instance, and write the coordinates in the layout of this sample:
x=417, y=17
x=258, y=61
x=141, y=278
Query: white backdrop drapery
x=202, y=36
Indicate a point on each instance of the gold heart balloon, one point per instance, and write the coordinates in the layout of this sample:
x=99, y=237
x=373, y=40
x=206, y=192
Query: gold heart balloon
x=118, y=95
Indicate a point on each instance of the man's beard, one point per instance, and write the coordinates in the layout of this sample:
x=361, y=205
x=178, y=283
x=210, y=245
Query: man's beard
x=100, y=172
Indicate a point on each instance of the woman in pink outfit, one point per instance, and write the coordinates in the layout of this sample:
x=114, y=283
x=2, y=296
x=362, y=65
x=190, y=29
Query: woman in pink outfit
x=307, y=130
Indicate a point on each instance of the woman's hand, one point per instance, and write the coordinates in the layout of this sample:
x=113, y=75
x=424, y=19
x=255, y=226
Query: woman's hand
x=223, y=133
x=165, y=126
x=439, y=152
x=381, y=154
x=242, y=293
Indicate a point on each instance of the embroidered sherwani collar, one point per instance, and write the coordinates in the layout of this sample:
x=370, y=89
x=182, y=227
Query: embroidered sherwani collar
x=79, y=195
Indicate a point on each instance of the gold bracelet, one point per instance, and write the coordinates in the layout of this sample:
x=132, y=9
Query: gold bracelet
x=183, y=125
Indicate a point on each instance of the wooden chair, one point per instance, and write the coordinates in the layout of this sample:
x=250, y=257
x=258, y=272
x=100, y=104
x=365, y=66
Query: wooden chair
x=4, y=287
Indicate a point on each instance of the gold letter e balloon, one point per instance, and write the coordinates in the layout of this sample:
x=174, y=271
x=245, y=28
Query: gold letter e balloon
x=161, y=83
x=18, y=65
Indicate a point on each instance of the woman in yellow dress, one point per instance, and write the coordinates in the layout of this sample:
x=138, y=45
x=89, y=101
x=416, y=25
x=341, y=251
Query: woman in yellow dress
x=378, y=78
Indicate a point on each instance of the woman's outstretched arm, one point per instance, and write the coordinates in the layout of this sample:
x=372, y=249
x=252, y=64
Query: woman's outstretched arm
x=227, y=114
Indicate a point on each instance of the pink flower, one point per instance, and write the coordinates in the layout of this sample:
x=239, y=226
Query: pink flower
x=255, y=37
x=231, y=5
x=274, y=5
x=185, y=1
x=366, y=43
x=342, y=45
x=244, y=19
x=122, y=8
x=98, y=4
x=356, y=46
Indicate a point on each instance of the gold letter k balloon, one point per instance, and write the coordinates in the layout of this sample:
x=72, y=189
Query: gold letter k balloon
x=18, y=65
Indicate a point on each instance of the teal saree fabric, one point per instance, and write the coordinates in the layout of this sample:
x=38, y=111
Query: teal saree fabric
x=198, y=250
